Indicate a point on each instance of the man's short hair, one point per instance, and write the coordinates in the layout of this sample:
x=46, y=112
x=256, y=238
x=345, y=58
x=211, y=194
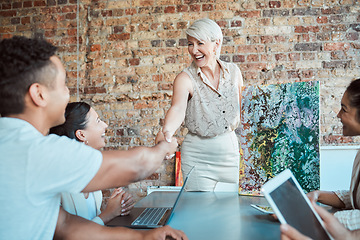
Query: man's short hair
x=23, y=61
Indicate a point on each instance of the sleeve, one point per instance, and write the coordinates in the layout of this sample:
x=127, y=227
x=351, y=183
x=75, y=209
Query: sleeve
x=350, y=218
x=98, y=220
x=59, y=164
x=344, y=196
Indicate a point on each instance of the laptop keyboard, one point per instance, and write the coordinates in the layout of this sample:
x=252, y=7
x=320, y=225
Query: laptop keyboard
x=150, y=216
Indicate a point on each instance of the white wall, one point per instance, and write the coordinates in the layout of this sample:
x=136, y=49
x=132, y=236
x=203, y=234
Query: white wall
x=336, y=166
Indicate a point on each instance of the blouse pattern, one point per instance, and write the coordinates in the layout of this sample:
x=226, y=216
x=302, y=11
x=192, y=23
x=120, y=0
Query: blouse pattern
x=211, y=112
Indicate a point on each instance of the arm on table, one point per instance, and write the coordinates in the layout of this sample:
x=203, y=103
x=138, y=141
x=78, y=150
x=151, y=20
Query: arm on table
x=326, y=197
x=74, y=227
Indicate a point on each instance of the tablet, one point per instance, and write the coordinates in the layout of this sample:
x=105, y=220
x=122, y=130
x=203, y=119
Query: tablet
x=292, y=206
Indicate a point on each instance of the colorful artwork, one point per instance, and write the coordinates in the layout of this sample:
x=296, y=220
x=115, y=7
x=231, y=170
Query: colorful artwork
x=279, y=129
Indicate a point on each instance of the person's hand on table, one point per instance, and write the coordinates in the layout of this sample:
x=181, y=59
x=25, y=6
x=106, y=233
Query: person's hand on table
x=164, y=233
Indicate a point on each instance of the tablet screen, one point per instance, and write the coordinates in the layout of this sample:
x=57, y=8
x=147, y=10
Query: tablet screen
x=296, y=210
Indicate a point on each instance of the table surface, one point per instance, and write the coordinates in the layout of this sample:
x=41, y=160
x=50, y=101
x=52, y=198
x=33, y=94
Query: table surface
x=216, y=215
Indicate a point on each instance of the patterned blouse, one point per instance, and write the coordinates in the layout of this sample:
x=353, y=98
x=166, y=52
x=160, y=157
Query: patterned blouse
x=211, y=112
x=351, y=217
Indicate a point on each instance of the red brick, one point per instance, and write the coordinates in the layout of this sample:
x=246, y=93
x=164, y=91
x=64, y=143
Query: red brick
x=10, y=13
x=207, y=7
x=5, y=6
x=169, y=9
x=70, y=16
x=182, y=8
x=252, y=58
x=17, y=5
x=250, y=49
x=15, y=20
x=238, y=58
x=222, y=24
x=71, y=31
x=27, y=4
x=39, y=3
x=117, y=37
x=274, y=4
x=157, y=78
x=145, y=104
x=181, y=25
x=195, y=8
x=130, y=11
x=67, y=9
x=236, y=23
x=93, y=90
x=322, y=19
x=134, y=61
x=336, y=46
x=25, y=20
x=95, y=47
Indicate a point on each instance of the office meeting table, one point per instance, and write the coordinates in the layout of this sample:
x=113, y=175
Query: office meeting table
x=216, y=215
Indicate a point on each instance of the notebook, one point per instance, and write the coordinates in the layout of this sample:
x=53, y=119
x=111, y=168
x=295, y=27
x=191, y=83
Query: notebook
x=292, y=206
x=150, y=217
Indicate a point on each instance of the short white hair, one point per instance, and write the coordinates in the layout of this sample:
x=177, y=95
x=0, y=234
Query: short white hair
x=206, y=30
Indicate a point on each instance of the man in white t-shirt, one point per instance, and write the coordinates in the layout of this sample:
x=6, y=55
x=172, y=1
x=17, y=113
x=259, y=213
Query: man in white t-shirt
x=36, y=168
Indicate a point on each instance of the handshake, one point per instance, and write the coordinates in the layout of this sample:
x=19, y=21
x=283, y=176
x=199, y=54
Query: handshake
x=167, y=136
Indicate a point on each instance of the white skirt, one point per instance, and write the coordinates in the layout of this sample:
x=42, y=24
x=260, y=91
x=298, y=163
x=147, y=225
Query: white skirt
x=216, y=162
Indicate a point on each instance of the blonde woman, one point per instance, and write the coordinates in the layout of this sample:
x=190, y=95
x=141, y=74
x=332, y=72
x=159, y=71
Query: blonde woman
x=207, y=96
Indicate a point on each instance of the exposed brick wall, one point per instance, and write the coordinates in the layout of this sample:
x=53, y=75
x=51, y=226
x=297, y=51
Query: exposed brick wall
x=129, y=52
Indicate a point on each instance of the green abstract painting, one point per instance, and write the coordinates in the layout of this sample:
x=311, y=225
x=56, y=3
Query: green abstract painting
x=279, y=129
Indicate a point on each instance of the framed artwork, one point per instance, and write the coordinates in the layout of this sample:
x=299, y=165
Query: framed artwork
x=279, y=129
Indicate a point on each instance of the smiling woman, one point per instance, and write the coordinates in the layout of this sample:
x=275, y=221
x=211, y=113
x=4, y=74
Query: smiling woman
x=83, y=124
x=207, y=96
x=348, y=200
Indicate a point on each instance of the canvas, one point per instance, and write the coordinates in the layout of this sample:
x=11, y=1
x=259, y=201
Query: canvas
x=279, y=129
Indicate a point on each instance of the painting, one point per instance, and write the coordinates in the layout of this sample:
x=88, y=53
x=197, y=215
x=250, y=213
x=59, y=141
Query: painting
x=279, y=129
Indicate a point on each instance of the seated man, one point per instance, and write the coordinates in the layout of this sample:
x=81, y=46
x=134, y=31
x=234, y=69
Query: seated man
x=36, y=168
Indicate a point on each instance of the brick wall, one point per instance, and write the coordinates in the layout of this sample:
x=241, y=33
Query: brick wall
x=122, y=55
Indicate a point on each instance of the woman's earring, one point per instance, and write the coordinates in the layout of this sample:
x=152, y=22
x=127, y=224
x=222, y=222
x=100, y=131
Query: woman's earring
x=86, y=142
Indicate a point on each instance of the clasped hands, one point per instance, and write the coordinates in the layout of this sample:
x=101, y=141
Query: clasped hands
x=165, y=136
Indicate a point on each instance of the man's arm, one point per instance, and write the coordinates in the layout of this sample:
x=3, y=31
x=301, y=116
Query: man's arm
x=74, y=227
x=120, y=168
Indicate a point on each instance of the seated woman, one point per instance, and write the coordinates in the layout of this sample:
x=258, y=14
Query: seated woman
x=348, y=200
x=83, y=124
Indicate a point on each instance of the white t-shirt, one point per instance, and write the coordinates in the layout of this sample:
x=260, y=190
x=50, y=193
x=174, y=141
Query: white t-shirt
x=34, y=170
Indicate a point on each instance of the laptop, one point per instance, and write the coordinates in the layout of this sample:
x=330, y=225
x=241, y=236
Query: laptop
x=292, y=206
x=150, y=217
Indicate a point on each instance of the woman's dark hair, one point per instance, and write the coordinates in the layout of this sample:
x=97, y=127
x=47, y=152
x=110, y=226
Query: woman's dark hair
x=76, y=115
x=353, y=91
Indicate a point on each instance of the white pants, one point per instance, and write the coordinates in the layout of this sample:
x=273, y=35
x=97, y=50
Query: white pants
x=216, y=160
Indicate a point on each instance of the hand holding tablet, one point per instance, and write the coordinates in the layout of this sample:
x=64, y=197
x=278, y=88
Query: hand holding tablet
x=292, y=207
